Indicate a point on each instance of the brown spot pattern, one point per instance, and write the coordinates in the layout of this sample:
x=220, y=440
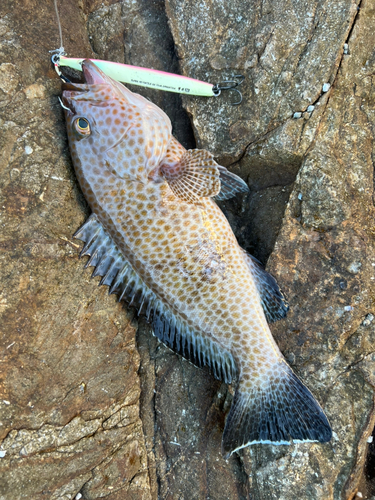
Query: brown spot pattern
x=185, y=252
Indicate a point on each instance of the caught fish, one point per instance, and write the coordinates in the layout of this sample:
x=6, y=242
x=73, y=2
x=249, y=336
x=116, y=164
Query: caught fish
x=158, y=240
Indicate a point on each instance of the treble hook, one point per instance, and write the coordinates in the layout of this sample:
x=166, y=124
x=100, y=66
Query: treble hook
x=229, y=85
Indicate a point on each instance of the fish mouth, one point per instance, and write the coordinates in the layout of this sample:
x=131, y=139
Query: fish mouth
x=92, y=75
x=74, y=87
x=90, y=91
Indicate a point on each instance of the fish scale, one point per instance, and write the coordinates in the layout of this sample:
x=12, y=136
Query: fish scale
x=153, y=211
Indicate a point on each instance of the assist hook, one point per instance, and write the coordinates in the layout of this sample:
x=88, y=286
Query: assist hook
x=229, y=85
x=55, y=59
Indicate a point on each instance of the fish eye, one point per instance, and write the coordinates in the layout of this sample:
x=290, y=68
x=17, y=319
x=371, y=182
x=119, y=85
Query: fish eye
x=82, y=126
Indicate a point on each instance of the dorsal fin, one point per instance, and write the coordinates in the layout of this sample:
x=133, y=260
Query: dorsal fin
x=169, y=327
x=231, y=184
x=273, y=300
x=195, y=176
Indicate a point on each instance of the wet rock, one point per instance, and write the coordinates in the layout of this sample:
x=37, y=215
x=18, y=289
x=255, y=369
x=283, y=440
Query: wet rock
x=286, y=55
x=327, y=239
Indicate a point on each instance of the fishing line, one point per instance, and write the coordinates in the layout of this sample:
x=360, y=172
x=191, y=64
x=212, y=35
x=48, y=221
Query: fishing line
x=58, y=53
x=59, y=25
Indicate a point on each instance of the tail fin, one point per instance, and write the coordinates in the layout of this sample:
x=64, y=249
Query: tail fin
x=280, y=413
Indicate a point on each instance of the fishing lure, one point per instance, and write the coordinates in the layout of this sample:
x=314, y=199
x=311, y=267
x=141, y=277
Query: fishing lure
x=146, y=77
x=159, y=241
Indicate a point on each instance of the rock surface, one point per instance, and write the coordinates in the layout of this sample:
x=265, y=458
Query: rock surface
x=87, y=406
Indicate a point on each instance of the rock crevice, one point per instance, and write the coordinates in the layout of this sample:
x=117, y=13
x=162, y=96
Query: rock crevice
x=90, y=402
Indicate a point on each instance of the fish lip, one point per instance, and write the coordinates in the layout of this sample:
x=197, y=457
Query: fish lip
x=74, y=87
x=93, y=75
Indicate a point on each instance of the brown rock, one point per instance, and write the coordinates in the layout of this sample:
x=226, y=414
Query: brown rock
x=84, y=406
x=69, y=390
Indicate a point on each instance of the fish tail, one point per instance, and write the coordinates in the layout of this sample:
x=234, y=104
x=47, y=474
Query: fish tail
x=279, y=411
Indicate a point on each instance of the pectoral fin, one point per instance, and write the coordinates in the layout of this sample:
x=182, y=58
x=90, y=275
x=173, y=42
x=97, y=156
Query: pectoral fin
x=195, y=176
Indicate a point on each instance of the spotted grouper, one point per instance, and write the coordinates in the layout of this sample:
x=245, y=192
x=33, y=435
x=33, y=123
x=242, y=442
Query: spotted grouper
x=159, y=241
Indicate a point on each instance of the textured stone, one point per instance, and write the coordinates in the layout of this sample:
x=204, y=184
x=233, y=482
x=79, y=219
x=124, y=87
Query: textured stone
x=324, y=255
x=286, y=53
x=69, y=363
x=87, y=408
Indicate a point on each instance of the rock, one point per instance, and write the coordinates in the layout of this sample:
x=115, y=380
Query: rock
x=69, y=390
x=323, y=254
x=297, y=51
x=89, y=409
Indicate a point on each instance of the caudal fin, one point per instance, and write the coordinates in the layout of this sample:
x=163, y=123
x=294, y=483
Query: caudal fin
x=280, y=413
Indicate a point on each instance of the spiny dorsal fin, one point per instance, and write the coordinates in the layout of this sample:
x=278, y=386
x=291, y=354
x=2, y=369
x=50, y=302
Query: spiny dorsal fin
x=231, y=184
x=274, y=303
x=170, y=328
x=195, y=176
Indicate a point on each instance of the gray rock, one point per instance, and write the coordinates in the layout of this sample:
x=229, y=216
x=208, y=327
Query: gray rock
x=88, y=410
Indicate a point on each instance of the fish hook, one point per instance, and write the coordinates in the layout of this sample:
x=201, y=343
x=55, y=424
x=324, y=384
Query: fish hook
x=229, y=85
x=63, y=105
x=55, y=59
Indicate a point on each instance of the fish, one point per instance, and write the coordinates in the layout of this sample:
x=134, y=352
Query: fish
x=159, y=240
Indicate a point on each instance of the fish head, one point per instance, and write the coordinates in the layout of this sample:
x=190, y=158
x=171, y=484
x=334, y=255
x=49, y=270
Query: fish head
x=112, y=127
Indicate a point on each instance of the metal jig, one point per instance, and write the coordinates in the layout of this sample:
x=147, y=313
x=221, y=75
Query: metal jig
x=229, y=85
x=215, y=89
